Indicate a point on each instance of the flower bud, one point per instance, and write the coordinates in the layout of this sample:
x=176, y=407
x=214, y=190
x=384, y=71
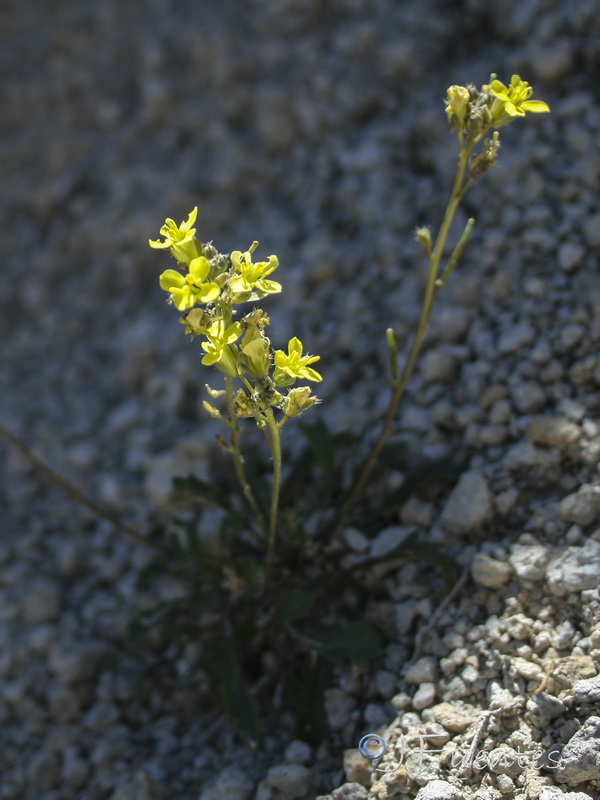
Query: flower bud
x=423, y=236
x=298, y=400
x=457, y=103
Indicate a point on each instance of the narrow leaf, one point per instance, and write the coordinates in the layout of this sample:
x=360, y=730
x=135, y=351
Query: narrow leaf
x=356, y=641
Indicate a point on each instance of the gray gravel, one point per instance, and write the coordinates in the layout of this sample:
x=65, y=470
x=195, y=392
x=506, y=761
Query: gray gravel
x=318, y=129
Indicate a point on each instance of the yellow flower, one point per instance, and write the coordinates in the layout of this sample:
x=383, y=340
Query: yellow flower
x=298, y=400
x=457, y=103
x=180, y=238
x=513, y=101
x=255, y=347
x=188, y=290
x=250, y=282
x=292, y=365
x=220, y=350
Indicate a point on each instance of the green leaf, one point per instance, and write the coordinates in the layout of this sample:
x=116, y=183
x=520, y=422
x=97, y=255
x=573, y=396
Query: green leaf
x=356, y=641
x=241, y=706
x=430, y=473
x=202, y=490
x=144, y=622
x=295, y=605
x=446, y=566
x=311, y=718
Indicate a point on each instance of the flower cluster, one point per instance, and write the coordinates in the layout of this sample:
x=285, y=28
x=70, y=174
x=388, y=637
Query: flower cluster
x=473, y=113
x=206, y=288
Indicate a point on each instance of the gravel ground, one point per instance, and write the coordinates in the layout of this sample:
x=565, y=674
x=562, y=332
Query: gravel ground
x=317, y=128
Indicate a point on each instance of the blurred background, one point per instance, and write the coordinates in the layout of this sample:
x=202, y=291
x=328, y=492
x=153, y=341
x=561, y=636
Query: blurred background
x=314, y=126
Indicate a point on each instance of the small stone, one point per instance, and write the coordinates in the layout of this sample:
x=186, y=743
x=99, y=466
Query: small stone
x=298, y=752
x=587, y=691
x=422, y=671
x=438, y=366
x=498, y=696
x=582, y=507
x=504, y=760
x=591, y=230
x=43, y=600
x=570, y=255
x=575, y=569
x=527, y=456
x=404, y=615
x=356, y=540
x=515, y=337
x=489, y=572
x=554, y=793
x=569, y=671
x=527, y=669
x=529, y=561
x=43, y=771
x=553, y=61
x=505, y=501
x=543, y=708
x=527, y=396
x=140, y=787
x=454, y=690
x=350, y=791
x=580, y=757
x=438, y=790
x=390, y=538
x=424, y=696
x=291, y=780
x=338, y=707
x=553, y=431
x=73, y=661
x=185, y=458
x=357, y=768
x=469, y=505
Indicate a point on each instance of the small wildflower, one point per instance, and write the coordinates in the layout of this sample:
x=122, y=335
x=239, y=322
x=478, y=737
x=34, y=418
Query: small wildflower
x=457, y=103
x=188, y=290
x=180, y=238
x=255, y=349
x=298, y=400
x=219, y=348
x=513, y=101
x=292, y=365
x=251, y=282
x=196, y=321
x=243, y=405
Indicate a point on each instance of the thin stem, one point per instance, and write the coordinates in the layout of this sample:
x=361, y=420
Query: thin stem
x=276, y=451
x=456, y=254
x=74, y=493
x=236, y=455
x=399, y=385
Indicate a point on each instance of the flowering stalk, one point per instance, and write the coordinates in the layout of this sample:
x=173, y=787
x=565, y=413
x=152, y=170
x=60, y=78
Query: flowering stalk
x=207, y=289
x=472, y=114
x=275, y=443
x=236, y=455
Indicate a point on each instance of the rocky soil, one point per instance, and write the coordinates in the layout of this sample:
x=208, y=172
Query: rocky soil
x=317, y=128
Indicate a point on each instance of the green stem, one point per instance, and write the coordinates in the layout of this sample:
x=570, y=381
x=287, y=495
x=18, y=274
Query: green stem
x=236, y=454
x=74, y=493
x=399, y=384
x=276, y=451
